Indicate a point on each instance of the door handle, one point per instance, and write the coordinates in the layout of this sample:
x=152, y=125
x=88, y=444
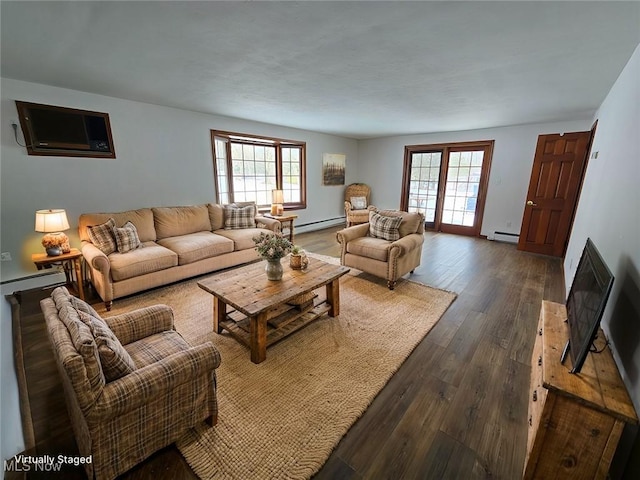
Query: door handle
x=531, y=204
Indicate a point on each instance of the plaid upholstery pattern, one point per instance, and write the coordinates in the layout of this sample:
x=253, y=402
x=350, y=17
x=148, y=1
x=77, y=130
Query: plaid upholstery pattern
x=156, y=347
x=85, y=345
x=102, y=236
x=144, y=411
x=386, y=228
x=127, y=237
x=139, y=324
x=115, y=360
x=81, y=305
x=239, y=217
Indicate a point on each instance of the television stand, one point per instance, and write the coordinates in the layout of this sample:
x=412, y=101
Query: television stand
x=575, y=419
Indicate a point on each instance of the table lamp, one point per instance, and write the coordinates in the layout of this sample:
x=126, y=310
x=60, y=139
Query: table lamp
x=52, y=223
x=277, y=199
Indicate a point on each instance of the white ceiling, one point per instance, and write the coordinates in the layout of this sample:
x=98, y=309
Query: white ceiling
x=357, y=69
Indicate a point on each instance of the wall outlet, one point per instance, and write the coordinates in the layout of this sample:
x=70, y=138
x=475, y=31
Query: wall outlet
x=5, y=257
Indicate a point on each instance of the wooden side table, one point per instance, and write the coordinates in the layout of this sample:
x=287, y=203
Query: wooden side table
x=286, y=221
x=71, y=263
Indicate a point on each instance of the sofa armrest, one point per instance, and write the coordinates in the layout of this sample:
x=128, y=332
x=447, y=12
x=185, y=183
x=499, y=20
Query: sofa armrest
x=269, y=223
x=96, y=258
x=406, y=244
x=345, y=235
x=139, y=387
x=141, y=323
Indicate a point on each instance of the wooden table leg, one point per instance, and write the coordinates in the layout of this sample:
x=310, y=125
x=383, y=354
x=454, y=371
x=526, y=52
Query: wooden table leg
x=258, y=337
x=333, y=297
x=219, y=314
x=77, y=264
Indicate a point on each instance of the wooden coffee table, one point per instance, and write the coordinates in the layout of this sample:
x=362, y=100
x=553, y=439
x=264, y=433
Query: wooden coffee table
x=258, y=312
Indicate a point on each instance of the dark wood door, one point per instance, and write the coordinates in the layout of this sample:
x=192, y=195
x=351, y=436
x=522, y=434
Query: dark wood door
x=556, y=177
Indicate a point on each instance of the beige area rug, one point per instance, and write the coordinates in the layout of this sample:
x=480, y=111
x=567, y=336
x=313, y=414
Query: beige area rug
x=282, y=418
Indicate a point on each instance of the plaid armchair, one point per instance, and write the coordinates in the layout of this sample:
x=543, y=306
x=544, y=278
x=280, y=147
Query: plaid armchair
x=388, y=246
x=132, y=384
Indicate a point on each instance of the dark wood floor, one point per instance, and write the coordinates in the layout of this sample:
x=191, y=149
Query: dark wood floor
x=457, y=407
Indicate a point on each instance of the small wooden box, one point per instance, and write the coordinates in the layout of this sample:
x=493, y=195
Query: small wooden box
x=575, y=420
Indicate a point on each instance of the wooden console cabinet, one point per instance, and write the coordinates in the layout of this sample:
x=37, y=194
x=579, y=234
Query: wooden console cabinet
x=575, y=420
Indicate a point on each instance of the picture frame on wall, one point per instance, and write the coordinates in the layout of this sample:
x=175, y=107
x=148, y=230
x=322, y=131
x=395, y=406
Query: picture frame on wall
x=333, y=168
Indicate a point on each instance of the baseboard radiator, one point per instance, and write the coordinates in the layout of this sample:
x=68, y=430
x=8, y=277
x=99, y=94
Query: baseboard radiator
x=319, y=225
x=505, y=237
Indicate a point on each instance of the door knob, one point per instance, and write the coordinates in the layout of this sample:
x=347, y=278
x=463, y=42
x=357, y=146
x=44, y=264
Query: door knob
x=531, y=204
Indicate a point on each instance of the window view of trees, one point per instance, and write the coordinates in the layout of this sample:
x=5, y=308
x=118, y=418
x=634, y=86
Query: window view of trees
x=247, y=169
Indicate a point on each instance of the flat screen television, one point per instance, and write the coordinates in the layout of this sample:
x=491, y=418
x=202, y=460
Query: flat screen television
x=52, y=130
x=587, y=299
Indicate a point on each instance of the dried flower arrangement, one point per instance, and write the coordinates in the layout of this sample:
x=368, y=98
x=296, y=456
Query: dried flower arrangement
x=272, y=247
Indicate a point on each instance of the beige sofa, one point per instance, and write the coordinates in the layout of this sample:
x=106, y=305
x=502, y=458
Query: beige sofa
x=367, y=249
x=176, y=243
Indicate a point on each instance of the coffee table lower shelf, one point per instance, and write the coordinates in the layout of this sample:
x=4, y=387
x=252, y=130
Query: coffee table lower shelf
x=282, y=321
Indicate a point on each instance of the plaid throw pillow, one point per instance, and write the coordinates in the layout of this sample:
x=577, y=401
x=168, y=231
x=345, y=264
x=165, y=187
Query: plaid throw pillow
x=236, y=217
x=115, y=360
x=102, y=236
x=383, y=227
x=127, y=237
x=81, y=305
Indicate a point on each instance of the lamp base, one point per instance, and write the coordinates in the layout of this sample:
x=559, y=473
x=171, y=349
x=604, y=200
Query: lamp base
x=56, y=244
x=54, y=251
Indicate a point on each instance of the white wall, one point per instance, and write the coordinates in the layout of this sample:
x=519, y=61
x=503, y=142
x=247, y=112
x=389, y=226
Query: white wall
x=382, y=159
x=609, y=213
x=163, y=158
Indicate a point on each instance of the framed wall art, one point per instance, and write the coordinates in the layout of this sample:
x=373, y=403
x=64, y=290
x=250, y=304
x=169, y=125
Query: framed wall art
x=333, y=168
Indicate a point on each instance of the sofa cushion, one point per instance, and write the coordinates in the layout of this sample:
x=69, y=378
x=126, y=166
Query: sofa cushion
x=176, y=221
x=370, y=247
x=156, y=347
x=384, y=227
x=236, y=216
x=243, y=238
x=103, y=236
x=115, y=360
x=141, y=218
x=127, y=237
x=151, y=258
x=196, y=246
x=216, y=216
x=85, y=345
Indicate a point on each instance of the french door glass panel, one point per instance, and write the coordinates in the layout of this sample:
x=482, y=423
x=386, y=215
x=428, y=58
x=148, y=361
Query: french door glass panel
x=463, y=183
x=423, y=188
x=446, y=185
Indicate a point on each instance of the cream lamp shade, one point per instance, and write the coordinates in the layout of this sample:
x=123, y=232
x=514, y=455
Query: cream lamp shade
x=277, y=200
x=52, y=223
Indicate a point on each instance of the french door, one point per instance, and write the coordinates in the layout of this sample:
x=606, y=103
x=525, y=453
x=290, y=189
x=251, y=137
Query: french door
x=447, y=183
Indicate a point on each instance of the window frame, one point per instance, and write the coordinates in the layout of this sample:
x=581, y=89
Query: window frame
x=258, y=140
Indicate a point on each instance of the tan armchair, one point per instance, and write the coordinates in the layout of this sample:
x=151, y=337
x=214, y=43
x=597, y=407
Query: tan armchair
x=357, y=213
x=132, y=384
x=389, y=259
